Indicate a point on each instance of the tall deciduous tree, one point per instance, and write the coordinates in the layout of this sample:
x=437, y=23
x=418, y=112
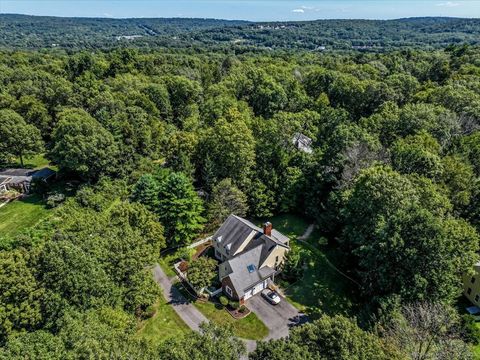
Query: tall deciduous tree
x=201, y=272
x=230, y=148
x=427, y=331
x=82, y=145
x=17, y=138
x=327, y=338
x=213, y=343
x=20, y=297
x=404, y=240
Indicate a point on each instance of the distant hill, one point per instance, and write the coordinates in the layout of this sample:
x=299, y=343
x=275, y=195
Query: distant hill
x=36, y=32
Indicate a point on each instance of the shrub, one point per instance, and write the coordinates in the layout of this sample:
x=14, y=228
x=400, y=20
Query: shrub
x=184, y=253
x=234, y=304
x=223, y=300
x=149, y=312
x=242, y=309
x=469, y=329
x=55, y=199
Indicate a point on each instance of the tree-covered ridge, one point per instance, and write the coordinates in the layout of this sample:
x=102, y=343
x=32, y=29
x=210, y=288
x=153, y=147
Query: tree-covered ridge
x=22, y=31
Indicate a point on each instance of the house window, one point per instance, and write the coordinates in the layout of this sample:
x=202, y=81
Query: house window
x=477, y=297
x=469, y=291
x=228, y=290
x=472, y=280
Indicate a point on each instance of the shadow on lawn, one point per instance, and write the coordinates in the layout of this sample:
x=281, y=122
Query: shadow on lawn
x=322, y=287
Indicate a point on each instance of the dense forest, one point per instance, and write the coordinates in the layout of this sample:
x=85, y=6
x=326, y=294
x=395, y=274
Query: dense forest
x=32, y=32
x=156, y=147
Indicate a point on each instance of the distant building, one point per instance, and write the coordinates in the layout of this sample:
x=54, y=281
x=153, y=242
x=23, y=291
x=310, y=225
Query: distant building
x=303, y=143
x=21, y=179
x=471, y=285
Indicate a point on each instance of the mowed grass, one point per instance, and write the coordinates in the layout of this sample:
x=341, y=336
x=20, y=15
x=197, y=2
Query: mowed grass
x=22, y=214
x=476, y=349
x=288, y=224
x=30, y=162
x=321, y=286
x=250, y=327
x=164, y=324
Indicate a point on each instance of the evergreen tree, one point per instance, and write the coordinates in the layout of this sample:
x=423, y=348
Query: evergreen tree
x=179, y=209
x=226, y=199
x=145, y=192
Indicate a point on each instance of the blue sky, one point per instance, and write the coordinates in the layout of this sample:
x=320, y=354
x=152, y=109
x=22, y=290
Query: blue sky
x=259, y=10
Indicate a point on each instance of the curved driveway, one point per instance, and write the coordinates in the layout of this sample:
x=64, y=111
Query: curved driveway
x=186, y=310
x=279, y=318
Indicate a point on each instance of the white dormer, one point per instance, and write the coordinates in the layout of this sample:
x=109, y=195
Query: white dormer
x=219, y=239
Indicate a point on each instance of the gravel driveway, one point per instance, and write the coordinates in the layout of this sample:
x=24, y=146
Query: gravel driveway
x=279, y=318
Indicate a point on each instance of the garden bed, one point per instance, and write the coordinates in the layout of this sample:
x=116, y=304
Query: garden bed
x=237, y=313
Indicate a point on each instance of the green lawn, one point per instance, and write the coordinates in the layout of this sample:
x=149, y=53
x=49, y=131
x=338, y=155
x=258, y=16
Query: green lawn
x=476, y=348
x=165, y=324
x=21, y=214
x=31, y=162
x=288, y=224
x=166, y=263
x=250, y=327
x=321, y=285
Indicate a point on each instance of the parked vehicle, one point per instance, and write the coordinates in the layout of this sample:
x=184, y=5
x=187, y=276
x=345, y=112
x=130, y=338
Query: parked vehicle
x=271, y=296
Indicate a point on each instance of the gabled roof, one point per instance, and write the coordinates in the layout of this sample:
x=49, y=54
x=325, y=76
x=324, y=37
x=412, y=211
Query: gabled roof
x=232, y=235
x=302, y=142
x=235, y=230
x=239, y=269
x=17, y=176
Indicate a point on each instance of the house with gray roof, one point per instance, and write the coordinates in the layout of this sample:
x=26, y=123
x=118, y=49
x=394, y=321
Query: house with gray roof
x=302, y=143
x=21, y=179
x=250, y=256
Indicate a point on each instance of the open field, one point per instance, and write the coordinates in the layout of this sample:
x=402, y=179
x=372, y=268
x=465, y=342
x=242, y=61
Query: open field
x=21, y=214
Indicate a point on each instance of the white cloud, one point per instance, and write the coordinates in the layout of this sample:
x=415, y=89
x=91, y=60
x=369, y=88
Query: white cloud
x=298, y=11
x=448, y=4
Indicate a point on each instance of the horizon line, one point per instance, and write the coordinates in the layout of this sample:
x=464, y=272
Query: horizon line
x=240, y=20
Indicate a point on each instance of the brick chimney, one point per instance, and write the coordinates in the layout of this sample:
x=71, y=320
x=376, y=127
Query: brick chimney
x=267, y=228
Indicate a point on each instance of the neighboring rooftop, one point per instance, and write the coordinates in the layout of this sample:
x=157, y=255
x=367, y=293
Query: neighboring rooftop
x=302, y=142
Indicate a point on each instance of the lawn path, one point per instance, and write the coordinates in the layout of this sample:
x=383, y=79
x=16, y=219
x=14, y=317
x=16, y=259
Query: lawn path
x=307, y=232
x=187, y=312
